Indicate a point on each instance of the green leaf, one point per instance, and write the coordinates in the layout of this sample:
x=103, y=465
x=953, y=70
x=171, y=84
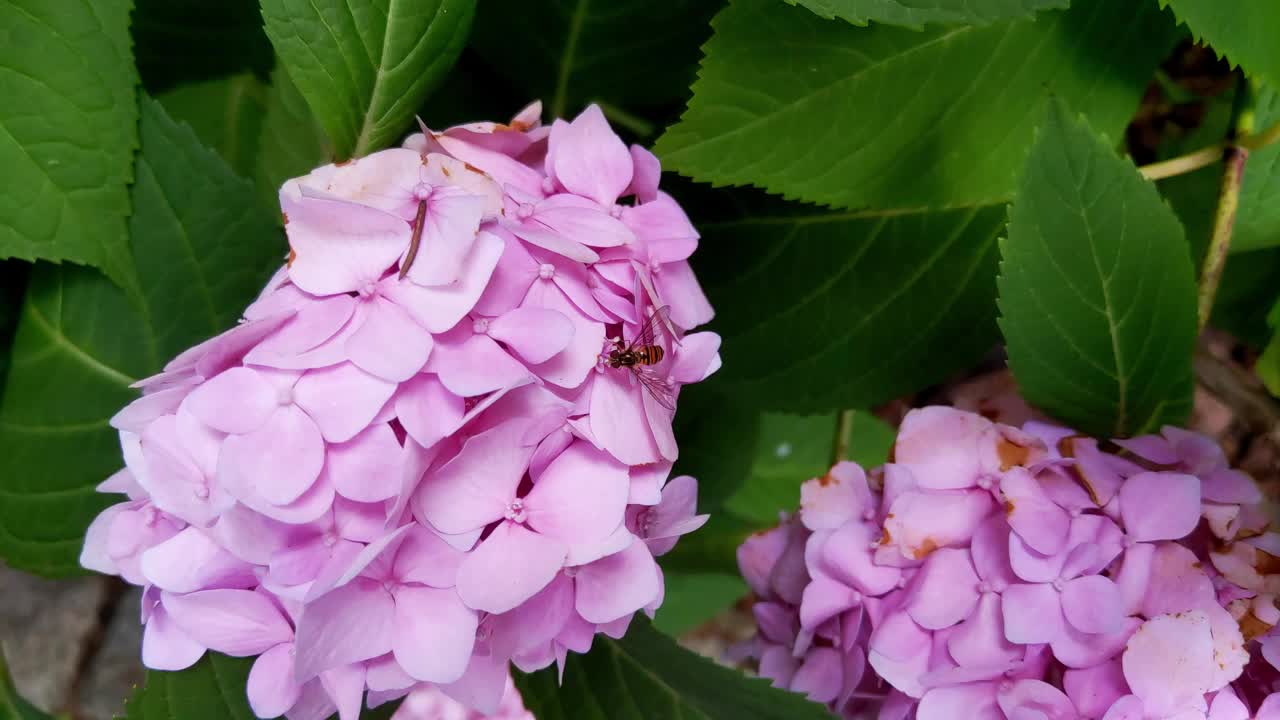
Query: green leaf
x=68, y=128
x=573, y=52
x=895, y=119
x=792, y=449
x=292, y=142
x=201, y=249
x=717, y=441
x=182, y=41
x=1097, y=292
x=1248, y=288
x=852, y=313
x=226, y=114
x=365, y=66
x=870, y=440
x=12, y=706
x=212, y=689
x=915, y=13
x=646, y=675
x=713, y=548
x=1245, y=32
x=691, y=599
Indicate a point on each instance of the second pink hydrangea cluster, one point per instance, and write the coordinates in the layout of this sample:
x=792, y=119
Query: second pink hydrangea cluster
x=412, y=463
x=999, y=573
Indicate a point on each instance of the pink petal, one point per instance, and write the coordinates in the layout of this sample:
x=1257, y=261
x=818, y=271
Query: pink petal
x=508, y=567
x=1032, y=613
x=165, y=646
x=237, y=401
x=990, y=551
x=475, y=366
x=1034, y=696
x=918, y=522
x=390, y=344
x=342, y=400
x=979, y=641
x=434, y=634
x=1176, y=581
x=1226, y=706
x=570, y=367
x=537, y=621
x=1230, y=486
x=344, y=567
x=138, y=414
x=679, y=288
x=236, y=622
x=582, y=221
x=351, y=623
x=318, y=322
x=580, y=497
x=589, y=159
x=1075, y=649
x=941, y=446
x=696, y=357
x=842, y=494
x=758, y=555
x=823, y=599
x=428, y=412
x=617, y=585
x=1160, y=506
x=1092, y=604
x=1032, y=566
x=345, y=686
x=449, y=230
x=503, y=169
x=483, y=684
x=618, y=419
x=820, y=675
x=271, y=687
x=647, y=171
x=477, y=485
x=944, y=590
x=847, y=556
x=340, y=246
x=190, y=561
x=440, y=308
x=278, y=462
x=425, y=558
x=535, y=334
x=974, y=700
x=366, y=468
x=1168, y=661
x=1095, y=688
x=1041, y=524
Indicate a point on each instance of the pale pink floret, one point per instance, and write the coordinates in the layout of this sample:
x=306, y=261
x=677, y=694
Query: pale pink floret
x=402, y=473
x=1011, y=575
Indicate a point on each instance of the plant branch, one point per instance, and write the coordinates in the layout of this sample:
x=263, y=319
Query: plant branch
x=844, y=431
x=1224, y=220
x=1206, y=156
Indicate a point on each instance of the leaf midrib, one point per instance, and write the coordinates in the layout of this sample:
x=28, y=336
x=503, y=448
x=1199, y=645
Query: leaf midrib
x=62, y=341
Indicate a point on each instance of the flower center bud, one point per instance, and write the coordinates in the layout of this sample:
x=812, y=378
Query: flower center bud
x=284, y=396
x=546, y=271
x=983, y=587
x=998, y=586
x=1058, y=584
x=422, y=191
x=644, y=522
x=330, y=538
x=868, y=514
x=369, y=289
x=984, y=482
x=654, y=268
x=515, y=511
x=616, y=210
x=200, y=490
x=480, y=326
x=525, y=211
x=570, y=572
x=151, y=516
x=548, y=185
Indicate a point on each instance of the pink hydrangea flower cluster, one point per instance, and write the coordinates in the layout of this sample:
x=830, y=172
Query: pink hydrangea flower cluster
x=1000, y=573
x=418, y=459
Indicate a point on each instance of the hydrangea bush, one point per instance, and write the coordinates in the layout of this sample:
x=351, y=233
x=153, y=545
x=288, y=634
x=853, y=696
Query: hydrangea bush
x=400, y=410
x=411, y=466
x=997, y=572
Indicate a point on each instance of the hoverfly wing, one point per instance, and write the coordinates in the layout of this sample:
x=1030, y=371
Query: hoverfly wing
x=656, y=386
x=658, y=320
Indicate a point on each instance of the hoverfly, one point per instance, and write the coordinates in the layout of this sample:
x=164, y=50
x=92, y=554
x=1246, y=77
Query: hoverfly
x=642, y=353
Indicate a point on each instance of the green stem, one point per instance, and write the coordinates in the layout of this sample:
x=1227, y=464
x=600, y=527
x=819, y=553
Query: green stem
x=1234, y=156
x=1206, y=156
x=844, y=432
x=636, y=124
